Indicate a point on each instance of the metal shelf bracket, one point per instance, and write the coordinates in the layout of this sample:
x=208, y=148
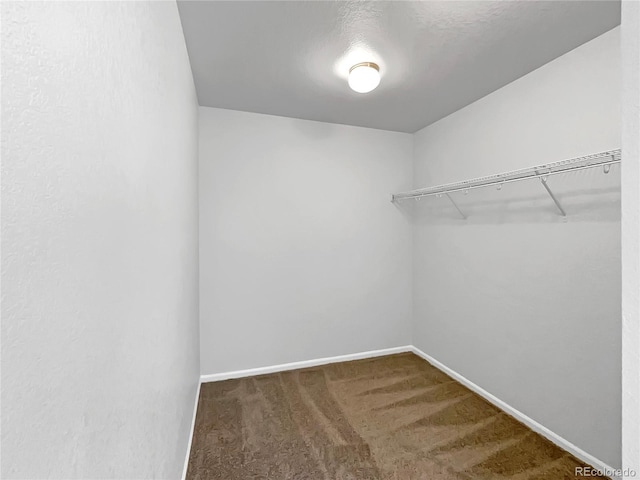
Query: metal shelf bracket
x=553, y=197
x=543, y=180
x=456, y=205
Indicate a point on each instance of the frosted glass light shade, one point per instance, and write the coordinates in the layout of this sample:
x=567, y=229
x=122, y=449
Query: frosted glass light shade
x=364, y=77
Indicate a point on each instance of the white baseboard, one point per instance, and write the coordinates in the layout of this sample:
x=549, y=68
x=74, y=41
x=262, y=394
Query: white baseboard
x=193, y=424
x=216, y=377
x=518, y=415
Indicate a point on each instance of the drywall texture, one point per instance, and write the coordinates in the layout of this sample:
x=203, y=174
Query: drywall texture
x=516, y=299
x=630, y=31
x=99, y=241
x=434, y=56
x=302, y=255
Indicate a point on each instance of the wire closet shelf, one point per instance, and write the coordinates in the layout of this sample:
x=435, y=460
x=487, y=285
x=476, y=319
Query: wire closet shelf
x=602, y=159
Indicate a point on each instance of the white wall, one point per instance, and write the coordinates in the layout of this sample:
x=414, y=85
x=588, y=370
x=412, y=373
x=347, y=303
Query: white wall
x=630, y=30
x=302, y=253
x=99, y=241
x=517, y=300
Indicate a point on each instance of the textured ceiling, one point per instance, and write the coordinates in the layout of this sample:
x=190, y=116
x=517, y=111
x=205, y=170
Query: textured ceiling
x=291, y=58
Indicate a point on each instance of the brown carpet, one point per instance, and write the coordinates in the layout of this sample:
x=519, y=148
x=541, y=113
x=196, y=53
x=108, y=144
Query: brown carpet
x=392, y=418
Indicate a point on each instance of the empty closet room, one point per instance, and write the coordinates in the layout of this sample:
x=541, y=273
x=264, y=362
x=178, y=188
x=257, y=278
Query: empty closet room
x=320, y=240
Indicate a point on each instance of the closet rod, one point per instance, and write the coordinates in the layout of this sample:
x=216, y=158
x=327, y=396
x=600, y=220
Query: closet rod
x=542, y=171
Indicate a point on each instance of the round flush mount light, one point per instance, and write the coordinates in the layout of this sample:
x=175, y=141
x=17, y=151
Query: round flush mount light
x=364, y=77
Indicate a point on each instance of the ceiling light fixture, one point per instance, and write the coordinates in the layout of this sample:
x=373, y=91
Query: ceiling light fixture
x=364, y=77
